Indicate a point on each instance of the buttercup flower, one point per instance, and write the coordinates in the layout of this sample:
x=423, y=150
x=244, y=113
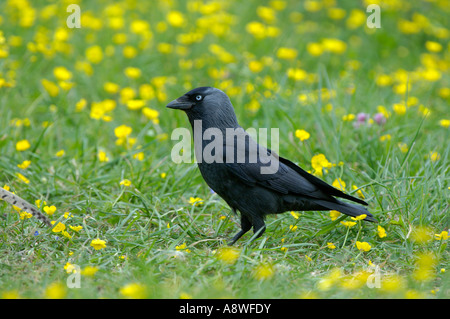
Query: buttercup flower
x=227, y=255
x=363, y=246
x=22, y=145
x=98, y=244
x=302, y=135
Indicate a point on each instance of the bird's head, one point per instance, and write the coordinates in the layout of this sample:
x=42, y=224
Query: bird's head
x=208, y=104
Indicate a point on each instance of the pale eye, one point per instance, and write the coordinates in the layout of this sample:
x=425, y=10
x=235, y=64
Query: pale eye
x=198, y=97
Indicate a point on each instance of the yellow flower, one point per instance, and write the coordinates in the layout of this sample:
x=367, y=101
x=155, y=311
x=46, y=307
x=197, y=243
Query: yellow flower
x=339, y=184
x=24, y=164
x=163, y=175
x=150, y=113
x=421, y=234
x=10, y=294
x=76, y=228
x=286, y=53
x=69, y=268
x=227, y=255
x=55, y=291
x=22, y=145
x=293, y=227
x=297, y=74
x=334, y=214
x=399, y=108
x=302, y=135
x=348, y=117
x=383, y=80
x=386, y=137
x=139, y=156
x=294, y=214
x=94, y=54
x=134, y=291
x=182, y=247
x=255, y=66
x=392, y=283
x=98, y=244
x=314, y=49
x=364, y=246
x=102, y=157
x=129, y=52
x=336, y=13
x=348, y=223
x=60, y=153
x=135, y=104
x=89, y=271
x=356, y=19
x=319, y=162
x=434, y=156
x=122, y=131
x=257, y=29
x=331, y=246
x=125, y=182
x=175, y=19
x=403, y=147
x=330, y=279
x=111, y=87
x=266, y=13
x=132, y=73
x=195, y=201
x=80, y=105
x=424, y=267
x=360, y=217
x=50, y=210
x=444, y=92
x=146, y=91
x=127, y=94
x=51, y=88
x=334, y=45
x=442, y=236
x=433, y=46
x=253, y=105
x=358, y=191
x=62, y=74
x=24, y=215
x=59, y=227
x=444, y=123
x=381, y=231
x=23, y=178
x=381, y=109
x=263, y=271
x=165, y=48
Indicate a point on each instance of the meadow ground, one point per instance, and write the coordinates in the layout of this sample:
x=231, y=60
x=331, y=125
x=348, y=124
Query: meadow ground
x=84, y=131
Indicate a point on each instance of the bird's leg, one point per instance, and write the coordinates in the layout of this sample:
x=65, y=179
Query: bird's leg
x=245, y=227
x=259, y=226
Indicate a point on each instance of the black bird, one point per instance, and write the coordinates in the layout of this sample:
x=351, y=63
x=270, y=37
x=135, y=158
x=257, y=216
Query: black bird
x=240, y=181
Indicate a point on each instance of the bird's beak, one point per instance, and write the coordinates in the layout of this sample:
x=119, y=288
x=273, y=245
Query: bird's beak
x=182, y=103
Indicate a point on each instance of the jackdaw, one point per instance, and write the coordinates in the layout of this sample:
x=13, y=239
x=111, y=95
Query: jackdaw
x=240, y=179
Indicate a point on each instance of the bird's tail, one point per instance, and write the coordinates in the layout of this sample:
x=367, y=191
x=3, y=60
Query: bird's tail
x=24, y=205
x=349, y=209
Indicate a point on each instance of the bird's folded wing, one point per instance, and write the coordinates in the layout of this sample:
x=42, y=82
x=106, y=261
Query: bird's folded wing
x=260, y=166
x=285, y=176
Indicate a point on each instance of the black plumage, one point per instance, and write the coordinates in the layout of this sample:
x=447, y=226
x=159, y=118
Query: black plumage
x=240, y=180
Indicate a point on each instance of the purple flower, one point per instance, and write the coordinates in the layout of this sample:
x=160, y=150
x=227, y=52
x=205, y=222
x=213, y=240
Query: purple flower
x=362, y=117
x=379, y=118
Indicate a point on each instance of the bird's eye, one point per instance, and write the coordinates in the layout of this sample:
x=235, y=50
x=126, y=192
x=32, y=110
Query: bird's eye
x=199, y=97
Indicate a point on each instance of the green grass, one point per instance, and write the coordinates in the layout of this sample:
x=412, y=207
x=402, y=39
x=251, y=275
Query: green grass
x=146, y=225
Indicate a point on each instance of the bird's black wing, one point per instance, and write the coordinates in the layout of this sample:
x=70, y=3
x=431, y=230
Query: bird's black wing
x=284, y=176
